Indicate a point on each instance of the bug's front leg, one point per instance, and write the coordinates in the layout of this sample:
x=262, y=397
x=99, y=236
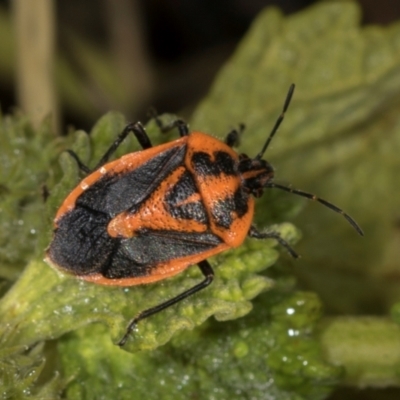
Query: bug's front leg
x=136, y=128
x=140, y=133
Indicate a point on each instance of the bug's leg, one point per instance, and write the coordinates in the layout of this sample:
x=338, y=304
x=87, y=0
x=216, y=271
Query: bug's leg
x=181, y=125
x=140, y=133
x=45, y=192
x=232, y=138
x=208, y=273
x=254, y=233
x=136, y=128
x=81, y=165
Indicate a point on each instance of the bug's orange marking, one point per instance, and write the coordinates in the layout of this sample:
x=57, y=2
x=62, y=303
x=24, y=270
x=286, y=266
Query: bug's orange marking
x=153, y=213
x=251, y=174
x=160, y=272
x=214, y=188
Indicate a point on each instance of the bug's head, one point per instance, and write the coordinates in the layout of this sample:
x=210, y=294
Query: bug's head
x=256, y=174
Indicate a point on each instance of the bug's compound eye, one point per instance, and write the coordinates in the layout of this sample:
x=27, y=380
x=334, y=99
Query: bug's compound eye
x=255, y=174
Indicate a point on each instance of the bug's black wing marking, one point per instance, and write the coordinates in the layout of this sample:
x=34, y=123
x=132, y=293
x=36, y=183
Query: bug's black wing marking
x=223, y=163
x=223, y=210
x=116, y=193
x=175, y=200
x=137, y=256
x=81, y=243
x=82, y=246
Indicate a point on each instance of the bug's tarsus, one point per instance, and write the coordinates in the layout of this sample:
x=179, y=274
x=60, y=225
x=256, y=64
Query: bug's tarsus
x=233, y=137
x=254, y=233
x=278, y=122
x=208, y=273
x=181, y=125
x=326, y=203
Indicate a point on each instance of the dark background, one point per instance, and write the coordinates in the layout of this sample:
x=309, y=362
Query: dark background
x=185, y=42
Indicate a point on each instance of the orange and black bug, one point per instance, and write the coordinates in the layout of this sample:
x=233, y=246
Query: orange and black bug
x=151, y=214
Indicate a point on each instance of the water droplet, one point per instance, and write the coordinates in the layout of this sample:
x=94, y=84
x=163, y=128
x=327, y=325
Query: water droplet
x=290, y=311
x=67, y=309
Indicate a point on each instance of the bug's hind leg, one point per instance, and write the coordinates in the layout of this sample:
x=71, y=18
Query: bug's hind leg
x=181, y=125
x=254, y=233
x=232, y=138
x=208, y=273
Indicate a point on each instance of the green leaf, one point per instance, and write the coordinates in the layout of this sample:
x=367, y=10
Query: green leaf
x=57, y=304
x=253, y=357
x=27, y=161
x=20, y=367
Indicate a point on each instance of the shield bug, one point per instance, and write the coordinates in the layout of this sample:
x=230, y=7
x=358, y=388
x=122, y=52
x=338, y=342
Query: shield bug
x=151, y=214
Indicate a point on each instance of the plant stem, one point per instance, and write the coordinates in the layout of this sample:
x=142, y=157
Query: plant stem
x=35, y=37
x=368, y=348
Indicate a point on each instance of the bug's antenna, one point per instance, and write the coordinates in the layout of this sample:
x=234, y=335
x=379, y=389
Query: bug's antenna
x=278, y=122
x=322, y=201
